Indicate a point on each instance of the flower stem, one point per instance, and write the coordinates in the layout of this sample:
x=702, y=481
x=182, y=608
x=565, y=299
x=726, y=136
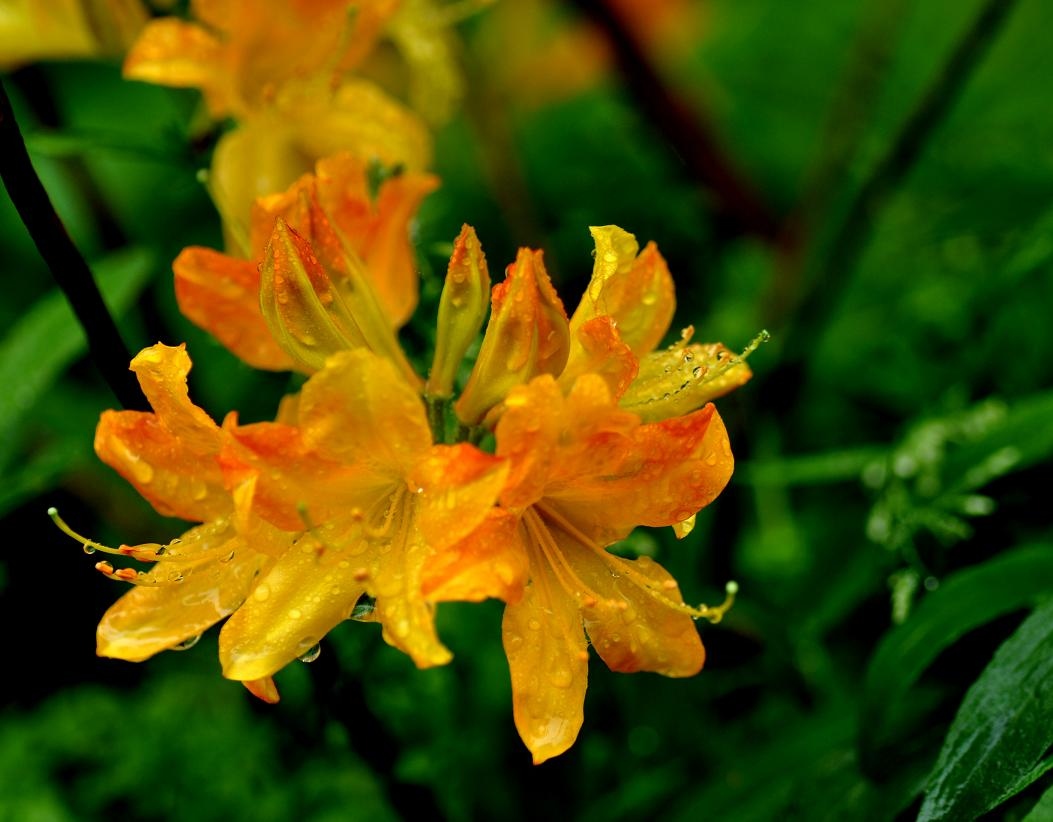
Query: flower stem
x=65, y=262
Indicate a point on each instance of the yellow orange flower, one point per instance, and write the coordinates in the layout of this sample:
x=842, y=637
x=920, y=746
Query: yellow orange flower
x=67, y=29
x=362, y=242
x=625, y=312
x=583, y=474
x=410, y=500
x=281, y=68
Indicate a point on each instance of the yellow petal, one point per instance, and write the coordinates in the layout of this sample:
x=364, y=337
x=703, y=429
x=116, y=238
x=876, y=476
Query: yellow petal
x=527, y=336
x=222, y=295
x=636, y=292
x=360, y=409
x=357, y=117
x=149, y=619
x=630, y=612
x=174, y=53
x=548, y=660
x=528, y=437
x=683, y=377
x=396, y=581
x=490, y=562
x=310, y=590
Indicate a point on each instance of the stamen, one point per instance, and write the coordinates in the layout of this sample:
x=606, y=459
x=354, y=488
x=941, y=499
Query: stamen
x=147, y=552
x=619, y=566
x=731, y=362
x=566, y=575
x=132, y=576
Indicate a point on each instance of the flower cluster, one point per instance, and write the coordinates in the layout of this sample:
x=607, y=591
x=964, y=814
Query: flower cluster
x=369, y=497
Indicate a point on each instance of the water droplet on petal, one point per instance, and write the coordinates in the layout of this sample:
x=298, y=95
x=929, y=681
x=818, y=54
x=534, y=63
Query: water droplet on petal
x=534, y=625
x=561, y=678
x=187, y=644
x=295, y=613
x=311, y=654
x=88, y=549
x=142, y=471
x=261, y=593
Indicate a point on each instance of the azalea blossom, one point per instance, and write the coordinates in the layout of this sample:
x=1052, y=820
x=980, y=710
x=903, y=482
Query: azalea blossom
x=583, y=473
x=624, y=314
x=330, y=216
x=285, y=71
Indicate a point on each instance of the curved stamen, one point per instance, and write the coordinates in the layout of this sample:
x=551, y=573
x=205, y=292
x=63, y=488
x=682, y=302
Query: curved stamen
x=658, y=592
x=566, y=575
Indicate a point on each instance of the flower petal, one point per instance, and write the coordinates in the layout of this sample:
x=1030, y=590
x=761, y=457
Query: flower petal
x=631, y=615
x=527, y=336
x=490, y=562
x=293, y=485
x=548, y=660
x=167, y=455
x=597, y=348
x=152, y=618
x=311, y=589
x=683, y=377
x=668, y=472
x=360, y=409
x=174, y=53
x=396, y=582
x=222, y=295
x=635, y=291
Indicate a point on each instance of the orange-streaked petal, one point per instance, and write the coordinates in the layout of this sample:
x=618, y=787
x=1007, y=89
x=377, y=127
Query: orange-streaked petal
x=152, y=618
x=528, y=437
x=311, y=589
x=458, y=485
x=175, y=53
x=635, y=291
x=292, y=484
x=683, y=377
x=598, y=349
x=527, y=336
x=396, y=581
x=360, y=409
x=630, y=614
x=548, y=660
x=490, y=562
x=670, y=471
x=222, y=295
x=167, y=455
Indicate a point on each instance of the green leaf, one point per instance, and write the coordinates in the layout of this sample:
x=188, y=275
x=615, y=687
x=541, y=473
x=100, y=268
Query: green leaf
x=1043, y=811
x=1002, y=729
x=48, y=338
x=964, y=601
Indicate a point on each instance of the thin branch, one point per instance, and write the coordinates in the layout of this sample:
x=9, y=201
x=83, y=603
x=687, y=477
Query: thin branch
x=684, y=126
x=67, y=266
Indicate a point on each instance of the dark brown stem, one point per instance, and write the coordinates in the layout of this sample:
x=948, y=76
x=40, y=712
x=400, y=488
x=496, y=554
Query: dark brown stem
x=67, y=266
x=685, y=128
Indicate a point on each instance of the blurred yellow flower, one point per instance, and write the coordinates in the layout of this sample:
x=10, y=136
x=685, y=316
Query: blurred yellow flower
x=67, y=29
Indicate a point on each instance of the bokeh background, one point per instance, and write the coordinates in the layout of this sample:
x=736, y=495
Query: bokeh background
x=871, y=181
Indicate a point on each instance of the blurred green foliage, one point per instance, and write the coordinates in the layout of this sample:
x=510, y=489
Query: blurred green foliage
x=889, y=654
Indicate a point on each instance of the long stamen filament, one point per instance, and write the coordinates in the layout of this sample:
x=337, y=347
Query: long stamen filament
x=147, y=551
x=619, y=566
x=562, y=569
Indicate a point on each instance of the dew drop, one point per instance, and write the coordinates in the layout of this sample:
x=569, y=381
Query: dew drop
x=311, y=654
x=711, y=459
x=261, y=593
x=534, y=625
x=88, y=549
x=295, y=613
x=142, y=471
x=402, y=628
x=649, y=298
x=187, y=644
x=561, y=678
